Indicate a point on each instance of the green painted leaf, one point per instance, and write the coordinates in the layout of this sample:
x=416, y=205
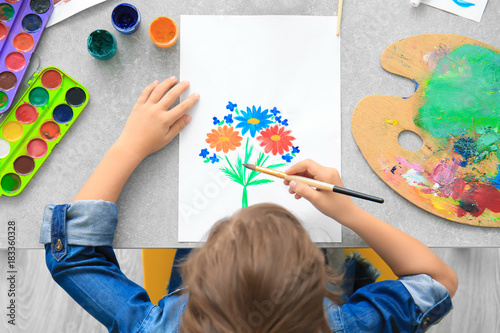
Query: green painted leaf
x=262, y=159
x=228, y=172
x=260, y=182
x=230, y=165
x=240, y=169
x=277, y=165
x=248, y=153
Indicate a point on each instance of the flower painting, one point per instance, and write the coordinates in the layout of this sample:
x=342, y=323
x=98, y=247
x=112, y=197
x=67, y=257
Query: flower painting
x=258, y=106
x=276, y=140
x=256, y=135
x=224, y=138
x=471, y=9
x=253, y=120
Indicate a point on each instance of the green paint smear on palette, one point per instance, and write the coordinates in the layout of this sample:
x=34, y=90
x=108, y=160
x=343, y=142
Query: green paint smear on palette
x=6, y=12
x=10, y=182
x=462, y=94
x=4, y=100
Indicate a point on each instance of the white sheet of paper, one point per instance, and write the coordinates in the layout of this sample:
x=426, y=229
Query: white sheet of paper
x=67, y=8
x=288, y=62
x=471, y=9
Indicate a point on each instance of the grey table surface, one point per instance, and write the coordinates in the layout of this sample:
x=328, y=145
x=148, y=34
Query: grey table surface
x=148, y=203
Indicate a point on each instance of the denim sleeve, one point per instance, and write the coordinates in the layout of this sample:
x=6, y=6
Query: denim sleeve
x=91, y=223
x=431, y=297
x=411, y=304
x=79, y=256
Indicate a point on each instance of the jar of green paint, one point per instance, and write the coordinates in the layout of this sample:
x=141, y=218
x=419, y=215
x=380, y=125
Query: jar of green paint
x=101, y=44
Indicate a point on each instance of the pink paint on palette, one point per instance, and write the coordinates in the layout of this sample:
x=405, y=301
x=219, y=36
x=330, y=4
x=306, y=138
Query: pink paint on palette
x=22, y=23
x=415, y=166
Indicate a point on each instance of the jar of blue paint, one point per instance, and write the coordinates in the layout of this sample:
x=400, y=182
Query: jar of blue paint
x=126, y=18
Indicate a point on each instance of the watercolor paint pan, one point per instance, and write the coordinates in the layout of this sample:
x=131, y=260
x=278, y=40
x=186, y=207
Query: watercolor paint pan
x=37, y=123
x=22, y=23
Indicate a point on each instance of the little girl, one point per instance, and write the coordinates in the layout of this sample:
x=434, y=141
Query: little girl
x=258, y=271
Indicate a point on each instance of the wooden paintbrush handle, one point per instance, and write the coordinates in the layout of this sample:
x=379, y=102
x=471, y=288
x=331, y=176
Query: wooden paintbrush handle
x=311, y=182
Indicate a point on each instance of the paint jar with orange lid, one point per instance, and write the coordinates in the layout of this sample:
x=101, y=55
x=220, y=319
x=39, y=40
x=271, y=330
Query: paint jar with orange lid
x=163, y=32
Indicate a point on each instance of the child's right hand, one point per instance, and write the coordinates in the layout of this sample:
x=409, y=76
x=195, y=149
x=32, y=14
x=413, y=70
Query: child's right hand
x=334, y=205
x=404, y=254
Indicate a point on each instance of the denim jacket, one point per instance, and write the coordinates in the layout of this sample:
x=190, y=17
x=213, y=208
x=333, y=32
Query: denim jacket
x=78, y=242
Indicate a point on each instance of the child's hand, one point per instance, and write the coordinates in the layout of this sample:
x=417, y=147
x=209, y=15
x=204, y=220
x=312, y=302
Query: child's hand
x=404, y=254
x=151, y=125
x=332, y=204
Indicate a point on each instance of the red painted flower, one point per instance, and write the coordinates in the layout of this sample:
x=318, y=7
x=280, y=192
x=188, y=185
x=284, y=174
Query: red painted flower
x=276, y=139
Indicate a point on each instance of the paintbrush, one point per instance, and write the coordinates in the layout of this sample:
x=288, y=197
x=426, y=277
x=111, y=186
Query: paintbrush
x=339, y=16
x=314, y=183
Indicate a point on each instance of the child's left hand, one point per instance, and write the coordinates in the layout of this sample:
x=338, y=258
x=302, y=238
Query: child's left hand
x=151, y=125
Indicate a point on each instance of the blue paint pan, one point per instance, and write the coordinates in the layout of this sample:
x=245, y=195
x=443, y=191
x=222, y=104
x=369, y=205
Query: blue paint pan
x=126, y=18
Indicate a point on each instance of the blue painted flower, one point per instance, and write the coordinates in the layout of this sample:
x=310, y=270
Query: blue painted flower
x=284, y=122
x=216, y=121
x=275, y=111
x=229, y=118
x=204, y=153
x=230, y=106
x=253, y=120
x=278, y=119
x=288, y=158
x=295, y=150
x=214, y=159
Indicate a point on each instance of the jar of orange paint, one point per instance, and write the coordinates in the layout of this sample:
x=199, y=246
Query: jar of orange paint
x=163, y=32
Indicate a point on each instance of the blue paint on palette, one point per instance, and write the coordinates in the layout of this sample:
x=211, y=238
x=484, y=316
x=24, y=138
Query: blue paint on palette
x=495, y=181
x=416, y=87
x=32, y=23
x=465, y=147
x=63, y=114
x=464, y=4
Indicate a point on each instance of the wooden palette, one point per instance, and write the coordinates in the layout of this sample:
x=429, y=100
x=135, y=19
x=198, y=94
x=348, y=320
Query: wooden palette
x=456, y=112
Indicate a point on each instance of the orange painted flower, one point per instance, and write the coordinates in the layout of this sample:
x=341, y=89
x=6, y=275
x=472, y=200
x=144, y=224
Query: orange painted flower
x=224, y=138
x=276, y=139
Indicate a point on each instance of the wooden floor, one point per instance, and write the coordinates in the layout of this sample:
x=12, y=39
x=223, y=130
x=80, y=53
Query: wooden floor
x=42, y=306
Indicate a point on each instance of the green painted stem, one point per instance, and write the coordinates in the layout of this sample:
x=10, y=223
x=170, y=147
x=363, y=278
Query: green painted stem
x=244, y=199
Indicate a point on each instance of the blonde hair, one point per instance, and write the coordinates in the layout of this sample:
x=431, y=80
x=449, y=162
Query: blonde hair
x=259, y=271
